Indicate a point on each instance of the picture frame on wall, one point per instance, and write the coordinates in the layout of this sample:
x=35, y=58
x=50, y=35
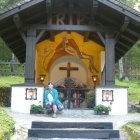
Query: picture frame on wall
x=107, y=95
x=31, y=94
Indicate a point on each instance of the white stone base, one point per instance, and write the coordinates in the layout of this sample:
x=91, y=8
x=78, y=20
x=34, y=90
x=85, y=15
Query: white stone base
x=119, y=103
x=19, y=102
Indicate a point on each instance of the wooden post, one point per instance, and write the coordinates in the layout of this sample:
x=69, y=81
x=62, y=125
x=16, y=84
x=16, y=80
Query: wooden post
x=30, y=56
x=110, y=59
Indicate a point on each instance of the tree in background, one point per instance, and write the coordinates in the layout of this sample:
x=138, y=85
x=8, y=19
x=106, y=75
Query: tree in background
x=132, y=3
x=6, y=3
x=5, y=52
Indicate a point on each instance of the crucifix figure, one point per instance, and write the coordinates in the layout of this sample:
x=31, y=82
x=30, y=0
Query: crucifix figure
x=68, y=69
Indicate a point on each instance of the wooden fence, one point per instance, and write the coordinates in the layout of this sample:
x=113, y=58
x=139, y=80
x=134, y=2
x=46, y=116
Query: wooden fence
x=16, y=68
x=11, y=68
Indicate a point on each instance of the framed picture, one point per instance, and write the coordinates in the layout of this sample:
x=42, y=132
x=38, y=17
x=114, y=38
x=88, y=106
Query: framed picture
x=107, y=95
x=31, y=94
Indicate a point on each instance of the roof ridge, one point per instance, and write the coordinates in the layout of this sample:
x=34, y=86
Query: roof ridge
x=14, y=5
x=125, y=6
x=116, y=2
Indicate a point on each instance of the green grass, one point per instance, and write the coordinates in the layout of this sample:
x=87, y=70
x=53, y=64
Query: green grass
x=133, y=90
x=10, y=80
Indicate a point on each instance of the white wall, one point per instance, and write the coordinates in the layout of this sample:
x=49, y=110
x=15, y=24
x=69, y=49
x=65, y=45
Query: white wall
x=119, y=104
x=18, y=101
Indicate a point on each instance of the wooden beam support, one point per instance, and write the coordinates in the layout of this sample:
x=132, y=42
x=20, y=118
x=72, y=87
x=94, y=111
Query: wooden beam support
x=123, y=28
x=110, y=59
x=101, y=37
x=30, y=56
x=40, y=35
x=87, y=28
x=93, y=12
x=49, y=11
x=19, y=26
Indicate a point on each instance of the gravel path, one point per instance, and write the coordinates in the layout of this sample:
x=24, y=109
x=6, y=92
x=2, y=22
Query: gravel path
x=23, y=121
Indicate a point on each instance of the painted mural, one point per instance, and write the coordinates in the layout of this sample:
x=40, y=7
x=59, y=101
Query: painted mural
x=57, y=59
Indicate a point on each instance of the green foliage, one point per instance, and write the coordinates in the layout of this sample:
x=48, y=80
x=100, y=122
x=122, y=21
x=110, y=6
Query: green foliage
x=133, y=130
x=135, y=53
x=135, y=126
x=133, y=90
x=102, y=108
x=131, y=3
x=5, y=53
x=6, y=125
x=90, y=97
x=36, y=107
x=5, y=96
x=6, y=3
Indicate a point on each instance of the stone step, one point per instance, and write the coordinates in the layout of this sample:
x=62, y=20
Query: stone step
x=81, y=134
x=32, y=138
x=87, y=125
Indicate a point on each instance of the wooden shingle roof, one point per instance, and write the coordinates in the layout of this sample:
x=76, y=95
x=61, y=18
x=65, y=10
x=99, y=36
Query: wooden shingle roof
x=109, y=13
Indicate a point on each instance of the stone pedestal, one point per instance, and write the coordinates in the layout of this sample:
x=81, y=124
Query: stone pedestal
x=115, y=97
x=23, y=96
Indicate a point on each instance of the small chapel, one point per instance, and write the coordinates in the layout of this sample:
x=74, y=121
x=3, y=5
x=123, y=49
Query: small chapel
x=73, y=43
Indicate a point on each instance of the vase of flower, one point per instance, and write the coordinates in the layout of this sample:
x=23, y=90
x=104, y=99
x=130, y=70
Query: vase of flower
x=102, y=109
x=36, y=109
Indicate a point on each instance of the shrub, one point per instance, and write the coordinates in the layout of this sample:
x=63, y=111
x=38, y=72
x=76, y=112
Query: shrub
x=6, y=125
x=36, y=107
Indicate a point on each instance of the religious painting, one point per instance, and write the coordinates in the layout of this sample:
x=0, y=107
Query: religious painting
x=31, y=94
x=107, y=95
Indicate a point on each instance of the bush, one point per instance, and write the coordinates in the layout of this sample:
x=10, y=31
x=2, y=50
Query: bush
x=5, y=96
x=6, y=125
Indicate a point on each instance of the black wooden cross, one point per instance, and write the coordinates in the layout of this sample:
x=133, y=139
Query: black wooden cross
x=68, y=69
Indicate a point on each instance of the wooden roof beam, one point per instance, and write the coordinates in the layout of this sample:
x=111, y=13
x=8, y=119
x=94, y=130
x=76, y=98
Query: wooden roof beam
x=19, y=26
x=123, y=44
x=21, y=8
x=120, y=9
x=93, y=11
x=120, y=50
x=123, y=27
x=128, y=39
x=133, y=33
x=84, y=28
x=49, y=11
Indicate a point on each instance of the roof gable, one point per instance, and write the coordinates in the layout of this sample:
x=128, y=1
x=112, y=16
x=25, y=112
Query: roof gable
x=105, y=13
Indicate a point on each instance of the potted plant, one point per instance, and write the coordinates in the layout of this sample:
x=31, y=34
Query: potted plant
x=90, y=98
x=36, y=109
x=102, y=109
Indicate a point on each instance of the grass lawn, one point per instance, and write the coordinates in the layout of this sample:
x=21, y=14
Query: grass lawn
x=133, y=90
x=10, y=80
